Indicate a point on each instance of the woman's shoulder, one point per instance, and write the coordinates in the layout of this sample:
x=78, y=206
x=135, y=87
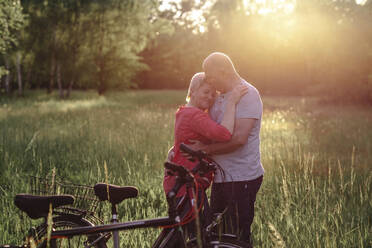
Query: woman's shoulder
x=188, y=116
x=187, y=110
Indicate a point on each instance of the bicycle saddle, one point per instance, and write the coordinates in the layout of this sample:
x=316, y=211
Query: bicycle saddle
x=114, y=194
x=38, y=206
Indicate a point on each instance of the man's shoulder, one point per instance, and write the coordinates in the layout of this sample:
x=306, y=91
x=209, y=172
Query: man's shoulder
x=250, y=105
x=251, y=97
x=251, y=89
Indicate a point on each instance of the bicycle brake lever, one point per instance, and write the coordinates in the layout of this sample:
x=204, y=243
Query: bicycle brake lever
x=170, y=173
x=192, y=159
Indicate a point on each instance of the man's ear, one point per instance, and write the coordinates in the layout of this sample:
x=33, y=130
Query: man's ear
x=191, y=93
x=223, y=72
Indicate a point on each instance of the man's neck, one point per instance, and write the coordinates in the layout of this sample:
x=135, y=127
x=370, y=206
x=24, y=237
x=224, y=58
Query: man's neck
x=231, y=83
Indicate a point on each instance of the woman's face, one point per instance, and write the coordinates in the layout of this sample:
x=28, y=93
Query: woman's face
x=204, y=97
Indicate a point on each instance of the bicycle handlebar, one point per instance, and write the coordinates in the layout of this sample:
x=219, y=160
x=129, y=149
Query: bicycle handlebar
x=196, y=154
x=205, y=165
x=182, y=171
x=202, y=168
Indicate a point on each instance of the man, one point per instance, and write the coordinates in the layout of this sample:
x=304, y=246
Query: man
x=240, y=157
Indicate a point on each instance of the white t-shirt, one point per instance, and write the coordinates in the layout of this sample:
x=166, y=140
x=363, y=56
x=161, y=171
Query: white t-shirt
x=244, y=163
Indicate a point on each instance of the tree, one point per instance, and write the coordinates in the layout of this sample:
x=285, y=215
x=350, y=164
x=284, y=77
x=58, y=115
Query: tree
x=88, y=44
x=119, y=30
x=11, y=21
x=174, y=56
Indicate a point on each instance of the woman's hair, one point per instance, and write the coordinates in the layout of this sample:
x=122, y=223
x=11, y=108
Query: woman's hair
x=196, y=81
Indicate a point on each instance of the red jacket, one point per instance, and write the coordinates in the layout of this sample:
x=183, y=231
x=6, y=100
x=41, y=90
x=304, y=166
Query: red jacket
x=193, y=124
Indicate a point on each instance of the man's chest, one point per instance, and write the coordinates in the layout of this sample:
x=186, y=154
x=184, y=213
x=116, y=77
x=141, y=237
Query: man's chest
x=217, y=110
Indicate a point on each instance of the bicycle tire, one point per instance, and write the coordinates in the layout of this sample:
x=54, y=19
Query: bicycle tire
x=63, y=222
x=222, y=242
x=12, y=246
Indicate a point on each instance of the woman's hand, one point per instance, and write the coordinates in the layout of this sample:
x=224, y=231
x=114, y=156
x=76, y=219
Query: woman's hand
x=238, y=91
x=170, y=155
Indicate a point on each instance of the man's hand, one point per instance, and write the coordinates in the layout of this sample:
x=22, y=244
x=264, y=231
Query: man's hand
x=195, y=145
x=170, y=155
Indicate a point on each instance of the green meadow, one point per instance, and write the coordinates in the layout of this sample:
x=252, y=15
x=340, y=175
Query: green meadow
x=317, y=189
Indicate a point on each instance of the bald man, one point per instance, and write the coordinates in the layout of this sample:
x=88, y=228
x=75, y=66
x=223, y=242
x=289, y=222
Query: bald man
x=240, y=157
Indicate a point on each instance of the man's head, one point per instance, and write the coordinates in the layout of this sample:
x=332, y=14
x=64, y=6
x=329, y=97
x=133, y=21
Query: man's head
x=219, y=71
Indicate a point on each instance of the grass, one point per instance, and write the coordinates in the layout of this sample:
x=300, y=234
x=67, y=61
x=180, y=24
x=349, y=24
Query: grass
x=317, y=185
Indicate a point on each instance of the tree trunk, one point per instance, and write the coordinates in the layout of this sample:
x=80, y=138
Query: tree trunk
x=59, y=82
x=19, y=74
x=69, y=89
x=101, y=79
x=28, y=75
x=52, y=73
x=101, y=57
x=7, y=77
x=1, y=83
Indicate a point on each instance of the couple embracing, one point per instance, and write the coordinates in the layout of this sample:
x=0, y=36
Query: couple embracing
x=225, y=125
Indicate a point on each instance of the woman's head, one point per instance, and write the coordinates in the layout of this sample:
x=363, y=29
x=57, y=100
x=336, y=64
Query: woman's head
x=200, y=93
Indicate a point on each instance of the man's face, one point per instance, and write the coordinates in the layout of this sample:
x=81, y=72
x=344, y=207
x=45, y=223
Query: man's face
x=214, y=78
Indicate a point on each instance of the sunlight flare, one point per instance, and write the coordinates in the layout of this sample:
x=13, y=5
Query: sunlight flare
x=360, y=2
x=267, y=7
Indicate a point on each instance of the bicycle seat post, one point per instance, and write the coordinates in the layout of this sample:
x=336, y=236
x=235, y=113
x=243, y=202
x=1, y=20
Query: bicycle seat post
x=115, y=220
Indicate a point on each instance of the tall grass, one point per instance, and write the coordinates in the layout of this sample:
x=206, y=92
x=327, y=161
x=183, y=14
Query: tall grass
x=317, y=185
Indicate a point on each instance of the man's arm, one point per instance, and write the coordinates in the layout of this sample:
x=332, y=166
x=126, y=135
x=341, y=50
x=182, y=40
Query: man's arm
x=242, y=129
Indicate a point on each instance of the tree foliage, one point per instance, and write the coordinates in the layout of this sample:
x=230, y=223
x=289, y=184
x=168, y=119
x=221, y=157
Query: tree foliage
x=87, y=44
x=283, y=47
x=11, y=21
x=304, y=47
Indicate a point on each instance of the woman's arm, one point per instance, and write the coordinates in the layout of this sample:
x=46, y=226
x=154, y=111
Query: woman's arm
x=228, y=120
x=202, y=124
x=205, y=126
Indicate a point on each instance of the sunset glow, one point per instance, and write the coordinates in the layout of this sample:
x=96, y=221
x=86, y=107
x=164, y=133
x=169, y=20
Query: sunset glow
x=261, y=7
x=360, y=2
x=264, y=7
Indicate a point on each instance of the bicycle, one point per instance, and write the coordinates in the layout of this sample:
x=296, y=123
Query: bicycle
x=67, y=225
x=74, y=205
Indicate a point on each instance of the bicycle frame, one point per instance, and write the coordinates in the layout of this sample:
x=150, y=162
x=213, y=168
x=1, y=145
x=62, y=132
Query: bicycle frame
x=158, y=222
x=175, y=231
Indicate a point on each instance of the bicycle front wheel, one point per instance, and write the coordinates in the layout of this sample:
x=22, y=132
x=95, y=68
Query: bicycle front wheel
x=222, y=242
x=64, y=222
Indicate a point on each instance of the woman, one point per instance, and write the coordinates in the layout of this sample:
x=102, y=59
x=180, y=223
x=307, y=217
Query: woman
x=193, y=123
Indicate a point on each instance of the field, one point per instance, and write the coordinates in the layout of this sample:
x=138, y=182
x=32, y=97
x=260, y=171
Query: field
x=317, y=189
